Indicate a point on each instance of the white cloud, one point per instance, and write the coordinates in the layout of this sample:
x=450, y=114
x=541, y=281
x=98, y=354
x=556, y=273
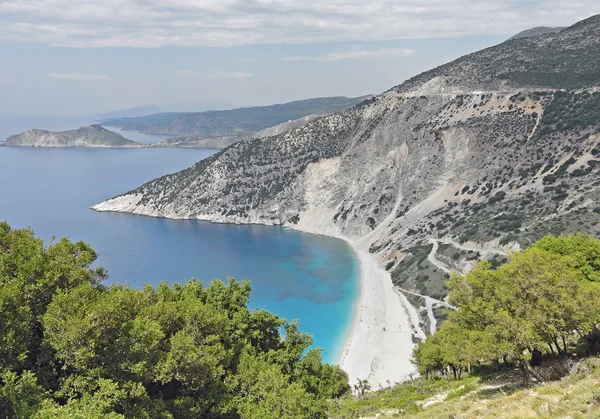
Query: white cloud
x=79, y=76
x=350, y=55
x=213, y=74
x=153, y=23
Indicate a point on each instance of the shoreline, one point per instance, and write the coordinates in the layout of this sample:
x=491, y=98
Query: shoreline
x=383, y=357
x=368, y=352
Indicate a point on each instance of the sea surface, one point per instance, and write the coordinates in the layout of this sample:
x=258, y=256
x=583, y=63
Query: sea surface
x=296, y=275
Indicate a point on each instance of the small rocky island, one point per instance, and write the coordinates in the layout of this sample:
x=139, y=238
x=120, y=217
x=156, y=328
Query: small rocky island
x=90, y=136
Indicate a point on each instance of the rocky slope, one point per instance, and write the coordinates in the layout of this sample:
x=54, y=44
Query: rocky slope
x=91, y=136
x=490, y=151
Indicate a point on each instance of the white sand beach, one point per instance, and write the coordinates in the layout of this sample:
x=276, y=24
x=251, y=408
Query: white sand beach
x=379, y=345
x=370, y=352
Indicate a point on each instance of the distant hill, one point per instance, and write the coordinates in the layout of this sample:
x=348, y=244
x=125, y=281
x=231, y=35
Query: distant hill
x=200, y=141
x=539, y=30
x=145, y=110
x=197, y=141
x=90, y=136
x=130, y=112
x=242, y=122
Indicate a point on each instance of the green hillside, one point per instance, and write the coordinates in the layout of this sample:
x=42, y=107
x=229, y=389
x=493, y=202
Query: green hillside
x=232, y=122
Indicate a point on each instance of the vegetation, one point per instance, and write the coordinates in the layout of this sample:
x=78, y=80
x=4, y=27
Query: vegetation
x=486, y=395
x=531, y=319
x=415, y=272
x=71, y=347
x=235, y=121
x=545, y=300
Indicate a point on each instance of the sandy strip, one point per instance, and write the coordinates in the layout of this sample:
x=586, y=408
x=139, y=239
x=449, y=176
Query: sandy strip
x=370, y=352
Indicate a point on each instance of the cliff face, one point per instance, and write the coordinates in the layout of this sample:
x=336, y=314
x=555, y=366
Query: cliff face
x=91, y=136
x=485, y=149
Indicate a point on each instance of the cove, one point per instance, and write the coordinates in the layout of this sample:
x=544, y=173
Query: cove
x=298, y=276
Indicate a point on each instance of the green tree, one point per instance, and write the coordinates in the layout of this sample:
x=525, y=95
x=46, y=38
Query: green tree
x=73, y=348
x=529, y=305
x=20, y=395
x=583, y=249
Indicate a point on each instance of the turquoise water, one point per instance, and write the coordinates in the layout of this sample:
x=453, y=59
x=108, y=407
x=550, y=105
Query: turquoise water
x=295, y=275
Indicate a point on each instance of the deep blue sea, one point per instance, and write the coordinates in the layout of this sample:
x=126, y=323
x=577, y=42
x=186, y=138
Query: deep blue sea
x=296, y=275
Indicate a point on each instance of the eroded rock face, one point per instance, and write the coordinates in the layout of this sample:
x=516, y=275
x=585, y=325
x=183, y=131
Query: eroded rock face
x=485, y=149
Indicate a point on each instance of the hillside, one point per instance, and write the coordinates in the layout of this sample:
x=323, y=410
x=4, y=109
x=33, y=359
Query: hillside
x=201, y=141
x=493, y=395
x=242, y=122
x=484, y=154
x=539, y=30
x=91, y=136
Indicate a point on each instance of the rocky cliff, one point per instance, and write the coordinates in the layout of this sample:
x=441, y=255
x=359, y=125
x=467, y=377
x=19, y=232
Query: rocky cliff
x=490, y=151
x=91, y=136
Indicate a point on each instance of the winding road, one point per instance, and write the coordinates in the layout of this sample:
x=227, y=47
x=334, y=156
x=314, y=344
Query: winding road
x=429, y=303
x=431, y=257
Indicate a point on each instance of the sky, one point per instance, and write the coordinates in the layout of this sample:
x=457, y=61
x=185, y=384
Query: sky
x=82, y=57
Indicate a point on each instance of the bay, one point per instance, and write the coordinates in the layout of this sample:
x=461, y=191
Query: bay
x=296, y=275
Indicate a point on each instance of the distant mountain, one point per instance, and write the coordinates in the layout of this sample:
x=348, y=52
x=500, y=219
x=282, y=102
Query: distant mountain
x=154, y=109
x=90, y=136
x=242, y=122
x=539, y=30
x=130, y=112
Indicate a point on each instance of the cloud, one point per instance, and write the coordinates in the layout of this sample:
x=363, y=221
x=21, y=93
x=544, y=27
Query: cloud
x=213, y=74
x=218, y=23
x=350, y=55
x=79, y=76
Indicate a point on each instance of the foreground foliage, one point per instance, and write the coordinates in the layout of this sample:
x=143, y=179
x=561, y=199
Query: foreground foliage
x=575, y=396
x=546, y=299
x=71, y=347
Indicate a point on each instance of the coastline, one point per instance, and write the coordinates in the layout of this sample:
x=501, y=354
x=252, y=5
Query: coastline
x=368, y=352
x=382, y=357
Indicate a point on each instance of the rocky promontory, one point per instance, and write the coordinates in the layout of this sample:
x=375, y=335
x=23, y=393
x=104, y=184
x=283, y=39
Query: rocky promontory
x=90, y=136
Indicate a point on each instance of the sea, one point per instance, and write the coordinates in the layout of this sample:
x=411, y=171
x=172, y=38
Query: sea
x=314, y=279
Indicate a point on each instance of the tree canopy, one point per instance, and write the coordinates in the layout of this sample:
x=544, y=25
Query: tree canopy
x=72, y=347
x=541, y=299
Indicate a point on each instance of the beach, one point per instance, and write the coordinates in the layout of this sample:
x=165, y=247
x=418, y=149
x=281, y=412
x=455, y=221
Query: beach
x=379, y=346
x=380, y=343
